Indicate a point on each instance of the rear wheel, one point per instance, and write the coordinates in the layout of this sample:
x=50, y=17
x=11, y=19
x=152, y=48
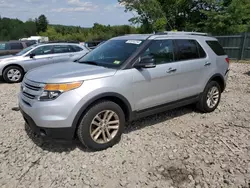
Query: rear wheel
x=13, y=74
x=101, y=126
x=210, y=98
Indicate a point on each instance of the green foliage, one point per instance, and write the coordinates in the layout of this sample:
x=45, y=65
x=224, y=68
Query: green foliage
x=213, y=16
x=97, y=32
x=13, y=29
x=150, y=14
x=233, y=16
x=42, y=23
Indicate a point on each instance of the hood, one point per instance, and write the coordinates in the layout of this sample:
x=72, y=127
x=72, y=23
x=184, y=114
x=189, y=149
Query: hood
x=9, y=58
x=68, y=72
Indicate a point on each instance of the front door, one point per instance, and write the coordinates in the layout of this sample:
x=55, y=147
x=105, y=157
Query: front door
x=42, y=55
x=159, y=85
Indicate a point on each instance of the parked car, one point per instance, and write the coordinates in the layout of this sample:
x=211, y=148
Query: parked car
x=30, y=42
x=93, y=44
x=124, y=79
x=12, y=47
x=13, y=68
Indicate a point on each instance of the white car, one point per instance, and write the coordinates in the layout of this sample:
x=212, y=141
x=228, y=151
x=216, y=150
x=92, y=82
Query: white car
x=13, y=67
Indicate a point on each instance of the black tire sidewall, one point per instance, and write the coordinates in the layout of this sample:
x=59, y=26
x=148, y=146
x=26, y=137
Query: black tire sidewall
x=5, y=77
x=211, y=84
x=84, y=126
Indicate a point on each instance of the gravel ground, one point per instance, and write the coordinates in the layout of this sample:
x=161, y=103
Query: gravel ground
x=181, y=148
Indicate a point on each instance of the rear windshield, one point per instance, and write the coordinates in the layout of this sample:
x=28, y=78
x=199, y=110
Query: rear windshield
x=216, y=47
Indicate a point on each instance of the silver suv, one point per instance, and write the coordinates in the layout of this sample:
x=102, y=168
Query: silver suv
x=13, y=67
x=124, y=79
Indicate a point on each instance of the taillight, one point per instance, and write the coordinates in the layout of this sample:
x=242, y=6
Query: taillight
x=227, y=60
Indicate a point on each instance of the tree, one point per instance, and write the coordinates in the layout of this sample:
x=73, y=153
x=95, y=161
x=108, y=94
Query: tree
x=41, y=23
x=215, y=16
x=230, y=16
x=148, y=13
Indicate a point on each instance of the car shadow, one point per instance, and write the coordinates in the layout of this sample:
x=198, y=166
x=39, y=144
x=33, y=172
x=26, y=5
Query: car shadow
x=158, y=118
x=247, y=73
x=1, y=80
x=59, y=146
x=53, y=145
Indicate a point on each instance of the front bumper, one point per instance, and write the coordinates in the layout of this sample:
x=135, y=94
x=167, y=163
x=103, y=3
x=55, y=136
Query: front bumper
x=53, y=119
x=53, y=133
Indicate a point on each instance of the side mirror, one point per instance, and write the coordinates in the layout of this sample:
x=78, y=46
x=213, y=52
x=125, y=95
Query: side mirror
x=146, y=62
x=32, y=55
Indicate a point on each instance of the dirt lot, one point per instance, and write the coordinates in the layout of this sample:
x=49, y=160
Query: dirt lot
x=181, y=148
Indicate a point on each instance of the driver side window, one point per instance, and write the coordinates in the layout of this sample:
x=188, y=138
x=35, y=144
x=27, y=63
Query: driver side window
x=43, y=50
x=161, y=50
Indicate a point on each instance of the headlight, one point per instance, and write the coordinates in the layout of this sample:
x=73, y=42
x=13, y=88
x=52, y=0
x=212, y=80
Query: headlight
x=52, y=91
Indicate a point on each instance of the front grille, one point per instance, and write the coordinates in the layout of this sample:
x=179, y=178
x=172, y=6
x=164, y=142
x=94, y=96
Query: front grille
x=35, y=88
x=31, y=90
x=29, y=95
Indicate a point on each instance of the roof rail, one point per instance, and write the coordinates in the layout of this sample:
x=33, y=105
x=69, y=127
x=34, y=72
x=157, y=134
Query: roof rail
x=181, y=33
x=51, y=42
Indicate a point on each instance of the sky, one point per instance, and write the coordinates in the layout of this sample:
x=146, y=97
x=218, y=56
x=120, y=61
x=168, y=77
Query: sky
x=67, y=12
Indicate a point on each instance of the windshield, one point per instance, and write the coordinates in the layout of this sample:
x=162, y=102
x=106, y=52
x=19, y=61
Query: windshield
x=25, y=50
x=112, y=53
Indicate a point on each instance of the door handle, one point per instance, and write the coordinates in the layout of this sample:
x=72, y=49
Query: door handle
x=50, y=57
x=71, y=55
x=207, y=64
x=171, y=70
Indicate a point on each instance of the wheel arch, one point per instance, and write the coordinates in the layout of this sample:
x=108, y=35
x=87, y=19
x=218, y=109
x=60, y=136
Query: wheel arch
x=16, y=65
x=111, y=96
x=218, y=78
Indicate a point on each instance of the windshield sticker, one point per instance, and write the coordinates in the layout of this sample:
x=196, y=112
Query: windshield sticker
x=117, y=62
x=134, y=42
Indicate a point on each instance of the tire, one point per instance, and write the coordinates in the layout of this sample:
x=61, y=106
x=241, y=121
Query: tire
x=87, y=126
x=203, y=104
x=17, y=74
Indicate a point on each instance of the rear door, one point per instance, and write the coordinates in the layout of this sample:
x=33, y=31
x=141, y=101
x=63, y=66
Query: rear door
x=78, y=52
x=194, y=65
x=63, y=53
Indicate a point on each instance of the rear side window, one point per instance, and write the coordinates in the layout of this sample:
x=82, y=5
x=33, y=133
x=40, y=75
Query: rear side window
x=62, y=49
x=16, y=46
x=216, y=47
x=187, y=49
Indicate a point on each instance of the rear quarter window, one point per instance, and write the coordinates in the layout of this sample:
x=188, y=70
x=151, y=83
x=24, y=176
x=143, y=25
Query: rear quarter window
x=216, y=47
x=76, y=48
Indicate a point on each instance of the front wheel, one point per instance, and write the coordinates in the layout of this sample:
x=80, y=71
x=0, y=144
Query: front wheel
x=13, y=74
x=210, y=98
x=101, y=126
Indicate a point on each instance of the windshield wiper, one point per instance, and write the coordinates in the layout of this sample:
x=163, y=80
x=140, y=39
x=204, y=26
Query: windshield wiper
x=89, y=62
